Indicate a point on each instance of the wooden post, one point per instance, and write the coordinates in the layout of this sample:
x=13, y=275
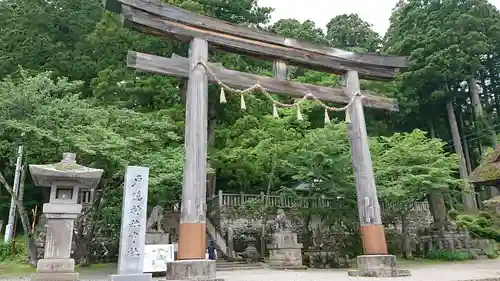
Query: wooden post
x=221, y=198
x=230, y=243
x=280, y=70
x=372, y=230
x=192, y=229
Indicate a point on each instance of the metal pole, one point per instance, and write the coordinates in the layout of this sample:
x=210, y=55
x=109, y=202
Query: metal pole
x=12, y=213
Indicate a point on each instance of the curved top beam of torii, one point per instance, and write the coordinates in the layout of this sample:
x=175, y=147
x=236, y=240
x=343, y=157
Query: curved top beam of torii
x=157, y=18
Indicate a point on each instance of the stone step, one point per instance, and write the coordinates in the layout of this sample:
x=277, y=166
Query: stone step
x=238, y=265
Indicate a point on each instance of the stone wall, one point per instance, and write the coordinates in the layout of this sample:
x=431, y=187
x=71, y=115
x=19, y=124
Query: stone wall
x=420, y=217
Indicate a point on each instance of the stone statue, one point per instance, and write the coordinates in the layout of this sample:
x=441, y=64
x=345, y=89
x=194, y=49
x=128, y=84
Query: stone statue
x=155, y=219
x=282, y=223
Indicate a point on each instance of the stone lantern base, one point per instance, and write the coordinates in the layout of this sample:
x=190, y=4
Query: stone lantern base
x=55, y=277
x=55, y=269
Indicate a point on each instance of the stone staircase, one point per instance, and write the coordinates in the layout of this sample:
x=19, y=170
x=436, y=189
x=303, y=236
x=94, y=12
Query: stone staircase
x=215, y=234
x=223, y=265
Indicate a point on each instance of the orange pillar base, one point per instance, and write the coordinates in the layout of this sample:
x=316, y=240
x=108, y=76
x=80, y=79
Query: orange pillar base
x=192, y=241
x=373, y=237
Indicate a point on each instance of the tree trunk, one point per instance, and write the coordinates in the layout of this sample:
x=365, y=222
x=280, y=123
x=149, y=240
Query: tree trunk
x=467, y=195
x=406, y=241
x=82, y=253
x=437, y=208
x=306, y=234
x=85, y=229
x=432, y=130
x=465, y=143
x=25, y=221
x=478, y=111
x=28, y=231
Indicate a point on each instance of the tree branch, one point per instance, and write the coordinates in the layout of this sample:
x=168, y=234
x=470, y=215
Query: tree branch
x=9, y=189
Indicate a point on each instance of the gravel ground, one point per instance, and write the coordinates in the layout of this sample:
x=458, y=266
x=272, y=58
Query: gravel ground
x=483, y=270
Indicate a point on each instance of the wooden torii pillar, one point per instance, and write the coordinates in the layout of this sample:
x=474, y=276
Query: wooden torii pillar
x=164, y=20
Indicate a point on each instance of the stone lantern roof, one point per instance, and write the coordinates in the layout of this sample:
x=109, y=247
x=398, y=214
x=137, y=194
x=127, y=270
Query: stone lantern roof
x=67, y=172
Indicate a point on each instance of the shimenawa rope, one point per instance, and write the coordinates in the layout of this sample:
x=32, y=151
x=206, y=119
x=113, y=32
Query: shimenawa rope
x=276, y=104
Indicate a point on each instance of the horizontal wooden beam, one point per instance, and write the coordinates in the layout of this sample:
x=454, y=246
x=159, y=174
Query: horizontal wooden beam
x=177, y=66
x=146, y=23
x=176, y=14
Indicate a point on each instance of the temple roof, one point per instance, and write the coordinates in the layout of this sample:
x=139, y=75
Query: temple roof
x=489, y=170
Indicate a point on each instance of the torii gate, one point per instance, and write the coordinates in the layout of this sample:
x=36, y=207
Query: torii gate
x=159, y=19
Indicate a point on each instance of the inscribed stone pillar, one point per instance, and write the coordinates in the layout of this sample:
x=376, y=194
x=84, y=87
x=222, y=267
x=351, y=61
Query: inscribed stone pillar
x=133, y=226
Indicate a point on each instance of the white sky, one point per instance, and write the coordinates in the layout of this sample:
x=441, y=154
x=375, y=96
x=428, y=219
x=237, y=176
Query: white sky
x=376, y=12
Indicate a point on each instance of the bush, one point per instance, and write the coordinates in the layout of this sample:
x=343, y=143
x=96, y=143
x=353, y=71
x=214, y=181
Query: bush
x=481, y=226
x=449, y=255
x=20, y=254
x=453, y=214
x=492, y=254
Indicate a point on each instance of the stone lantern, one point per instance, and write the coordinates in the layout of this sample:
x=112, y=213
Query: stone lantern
x=65, y=180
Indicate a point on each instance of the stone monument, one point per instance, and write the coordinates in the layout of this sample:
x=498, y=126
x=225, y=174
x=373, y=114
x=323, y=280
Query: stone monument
x=133, y=229
x=64, y=179
x=155, y=235
x=284, y=251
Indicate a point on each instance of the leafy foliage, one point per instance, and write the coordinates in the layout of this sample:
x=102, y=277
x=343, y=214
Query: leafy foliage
x=449, y=255
x=19, y=255
x=483, y=225
x=409, y=166
x=352, y=33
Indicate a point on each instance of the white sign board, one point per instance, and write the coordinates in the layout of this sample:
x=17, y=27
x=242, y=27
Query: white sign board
x=157, y=256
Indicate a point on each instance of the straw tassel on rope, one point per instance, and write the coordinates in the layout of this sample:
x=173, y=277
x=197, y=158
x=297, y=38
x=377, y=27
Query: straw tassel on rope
x=275, y=111
x=242, y=102
x=299, y=114
x=327, y=117
x=222, y=95
x=258, y=88
x=347, y=116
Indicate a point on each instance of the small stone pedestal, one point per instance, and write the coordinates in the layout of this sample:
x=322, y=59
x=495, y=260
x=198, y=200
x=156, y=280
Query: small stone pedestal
x=157, y=238
x=199, y=270
x=378, y=266
x=285, y=252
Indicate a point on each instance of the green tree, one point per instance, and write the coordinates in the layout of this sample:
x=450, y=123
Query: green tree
x=54, y=120
x=321, y=161
x=292, y=28
x=408, y=167
x=445, y=50
x=349, y=31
